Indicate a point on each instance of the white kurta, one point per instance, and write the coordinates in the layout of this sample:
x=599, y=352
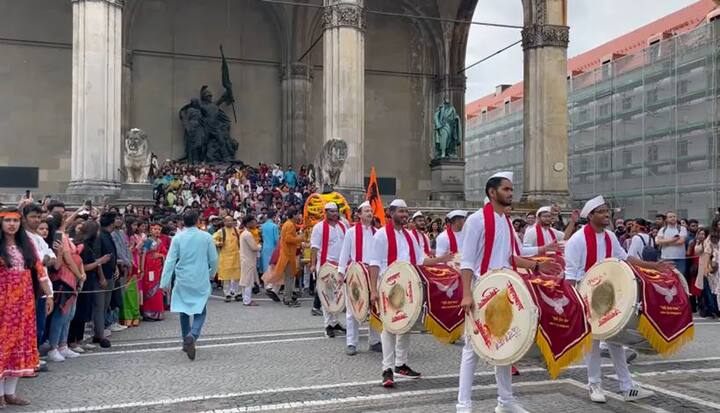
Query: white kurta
x=442, y=243
x=379, y=254
x=347, y=253
x=530, y=238
x=335, y=241
x=637, y=245
x=576, y=252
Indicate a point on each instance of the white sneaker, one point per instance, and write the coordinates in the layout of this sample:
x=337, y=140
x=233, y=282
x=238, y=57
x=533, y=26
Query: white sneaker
x=77, y=350
x=54, y=355
x=513, y=407
x=107, y=333
x=89, y=346
x=636, y=393
x=114, y=327
x=597, y=394
x=67, y=353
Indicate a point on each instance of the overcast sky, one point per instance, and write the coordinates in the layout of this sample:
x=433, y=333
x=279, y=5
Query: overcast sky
x=591, y=22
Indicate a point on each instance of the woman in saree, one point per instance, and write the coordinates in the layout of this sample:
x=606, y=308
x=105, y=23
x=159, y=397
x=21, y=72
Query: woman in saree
x=152, y=258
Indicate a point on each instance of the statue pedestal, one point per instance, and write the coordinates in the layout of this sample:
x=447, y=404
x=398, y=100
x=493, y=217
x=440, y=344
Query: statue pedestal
x=136, y=194
x=448, y=179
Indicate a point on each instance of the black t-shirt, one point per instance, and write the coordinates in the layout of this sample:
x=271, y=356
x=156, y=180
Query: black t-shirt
x=88, y=256
x=107, y=246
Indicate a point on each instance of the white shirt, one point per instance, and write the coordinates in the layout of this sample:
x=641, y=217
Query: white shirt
x=335, y=241
x=421, y=239
x=473, y=243
x=442, y=242
x=636, y=245
x=672, y=252
x=42, y=250
x=347, y=254
x=530, y=238
x=576, y=252
x=378, y=258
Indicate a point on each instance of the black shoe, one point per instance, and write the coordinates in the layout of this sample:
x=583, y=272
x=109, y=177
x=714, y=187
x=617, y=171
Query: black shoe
x=316, y=311
x=630, y=355
x=376, y=348
x=103, y=342
x=406, y=371
x=238, y=297
x=292, y=303
x=256, y=289
x=351, y=350
x=271, y=294
x=189, y=345
x=339, y=329
x=387, y=379
x=296, y=294
x=228, y=298
x=329, y=332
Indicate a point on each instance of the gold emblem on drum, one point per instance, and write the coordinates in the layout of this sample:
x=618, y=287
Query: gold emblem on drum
x=499, y=315
x=603, y=299
x=396, y=297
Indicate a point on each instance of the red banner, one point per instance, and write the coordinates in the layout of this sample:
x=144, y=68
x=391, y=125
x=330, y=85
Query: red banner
x=443, y=294
x=666, y=317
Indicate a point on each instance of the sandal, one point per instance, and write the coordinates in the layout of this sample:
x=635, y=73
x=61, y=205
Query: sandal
x=15, y=401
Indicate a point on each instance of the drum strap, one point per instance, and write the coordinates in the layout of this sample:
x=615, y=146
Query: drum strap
x=591, y=242
x=326, y=239
x=392, y=244
x=489, y=218
x=451, y=239
x=541, y=235
x=359, y=232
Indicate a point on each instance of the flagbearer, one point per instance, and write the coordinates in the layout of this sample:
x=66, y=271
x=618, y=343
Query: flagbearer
x=326, y=243
x=489, y=243
x=451, y=239
x=542, y=233
x=394, y=243
x=357, y=247
x=593, y=243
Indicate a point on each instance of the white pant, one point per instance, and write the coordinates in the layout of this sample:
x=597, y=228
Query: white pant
x=230, y=287
x=395, y=349
x=353, y=331
x=503, y=378
x=247, y=295
x=594, y=368
x=329, y=318
x=8, y=385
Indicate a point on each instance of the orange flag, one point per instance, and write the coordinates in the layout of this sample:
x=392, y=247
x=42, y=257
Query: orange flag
x=373, y=196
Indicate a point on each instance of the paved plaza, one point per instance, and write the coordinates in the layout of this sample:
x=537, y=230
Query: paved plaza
x=272, y=358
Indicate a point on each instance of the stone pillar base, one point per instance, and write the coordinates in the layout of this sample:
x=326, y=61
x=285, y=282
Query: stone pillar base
x=94, y=188
x=536, y=199
x=448, y=179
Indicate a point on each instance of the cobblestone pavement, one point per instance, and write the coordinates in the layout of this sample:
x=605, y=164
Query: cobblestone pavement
x=271, y=358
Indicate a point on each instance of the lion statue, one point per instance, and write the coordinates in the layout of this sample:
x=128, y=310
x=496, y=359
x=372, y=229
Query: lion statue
x=329, y=164
x=137, y=157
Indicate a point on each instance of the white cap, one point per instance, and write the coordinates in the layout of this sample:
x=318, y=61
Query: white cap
x=417, y=214
x=486, y=201
x=543, y=209
x=456, y=213
x=591, y=205
x=505, y=174
x=331, y=205
x=398, y=203
x=363, y=205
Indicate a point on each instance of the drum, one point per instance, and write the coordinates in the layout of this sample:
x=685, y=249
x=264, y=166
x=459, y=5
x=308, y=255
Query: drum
x=401, y=297
x=357, y=288
x=504, y=320
x=627, y=304
x=330, y=291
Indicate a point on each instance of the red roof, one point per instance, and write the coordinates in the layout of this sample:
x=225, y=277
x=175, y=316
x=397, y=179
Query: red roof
x=681, y=21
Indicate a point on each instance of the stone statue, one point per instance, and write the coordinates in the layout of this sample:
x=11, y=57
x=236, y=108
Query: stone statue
x=137, y=157
x=207, y=130
x=448, y=131
x=329, y=164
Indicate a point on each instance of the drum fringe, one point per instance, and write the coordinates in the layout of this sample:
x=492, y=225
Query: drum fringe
x=375, y=323
x=657, y=341
x=576, y=352
x=440, y=333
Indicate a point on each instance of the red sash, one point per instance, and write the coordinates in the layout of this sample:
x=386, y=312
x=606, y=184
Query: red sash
x=489, y=217
x=418, y=236
x=541, y=236
x=591, y=243
x=392, y=244
x=451, y=239
x=326, y=239
x=359, y=241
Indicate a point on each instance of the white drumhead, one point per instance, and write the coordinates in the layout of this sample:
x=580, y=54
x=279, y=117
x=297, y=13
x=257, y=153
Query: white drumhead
x=401, y=297
x=332, y=294
x=504, y=319
x=358, y=290
x=610, y=292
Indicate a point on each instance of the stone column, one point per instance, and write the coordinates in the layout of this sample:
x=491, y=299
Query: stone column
x=344, y=85
x=96, y=96
x=126, y=93
x=545, y=39
x=297, y=110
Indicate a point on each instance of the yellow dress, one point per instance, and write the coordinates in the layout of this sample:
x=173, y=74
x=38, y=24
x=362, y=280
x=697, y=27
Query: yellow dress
x=228, y=254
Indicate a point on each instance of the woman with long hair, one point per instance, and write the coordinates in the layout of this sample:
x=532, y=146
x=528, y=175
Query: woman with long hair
x=708, y=270
x=21, y=273
x=152, y=258
x=130, y=310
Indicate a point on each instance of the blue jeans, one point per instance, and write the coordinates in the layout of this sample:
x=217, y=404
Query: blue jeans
x=59, y=326
x=197, y=323
x=709, y=300
x=40, y=318
x=681, y=265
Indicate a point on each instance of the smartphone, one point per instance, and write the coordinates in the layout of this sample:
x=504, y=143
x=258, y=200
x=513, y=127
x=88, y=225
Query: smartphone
x=57, y=237
x=88, y=203
x=27, y=194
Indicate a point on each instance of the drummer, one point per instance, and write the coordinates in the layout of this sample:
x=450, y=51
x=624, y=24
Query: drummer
x=326, y=242
x=542, y=233
x=451, y=239
x=394, y=243
x=583, y=250
x=418, y=226
x=354, y=251
x=488, y=247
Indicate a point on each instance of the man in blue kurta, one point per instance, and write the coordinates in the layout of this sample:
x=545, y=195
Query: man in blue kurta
x=190, y=264
x=270, y=233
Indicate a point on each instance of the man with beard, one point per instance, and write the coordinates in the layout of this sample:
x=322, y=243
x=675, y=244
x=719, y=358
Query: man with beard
x=451, y=239
x=543, y=235
x=419, y=226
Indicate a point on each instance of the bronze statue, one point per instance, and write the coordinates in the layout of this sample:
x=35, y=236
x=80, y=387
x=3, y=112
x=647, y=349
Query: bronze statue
x=207, y=130
x=448, y=131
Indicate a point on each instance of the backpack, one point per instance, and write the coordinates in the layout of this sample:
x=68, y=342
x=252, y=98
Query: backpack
x=650, y=252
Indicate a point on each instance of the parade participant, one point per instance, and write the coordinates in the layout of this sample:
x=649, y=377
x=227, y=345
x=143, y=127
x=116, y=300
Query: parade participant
x=290, y=241
x=451, y=239
x=542, y=234
x=394, y=243
x=489, y=243
x=227, y=241
x=152, y=259
x=326, y=241
x=191, y=263
x=270, y=232
x=418, y=231
x=591, y=244
x=248, y=260
x=357, y=247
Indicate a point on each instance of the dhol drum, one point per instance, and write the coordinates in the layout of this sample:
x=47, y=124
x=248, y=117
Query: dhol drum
x=643, y=309
x=357, y=285
x=331, y=292
x=401, y=299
